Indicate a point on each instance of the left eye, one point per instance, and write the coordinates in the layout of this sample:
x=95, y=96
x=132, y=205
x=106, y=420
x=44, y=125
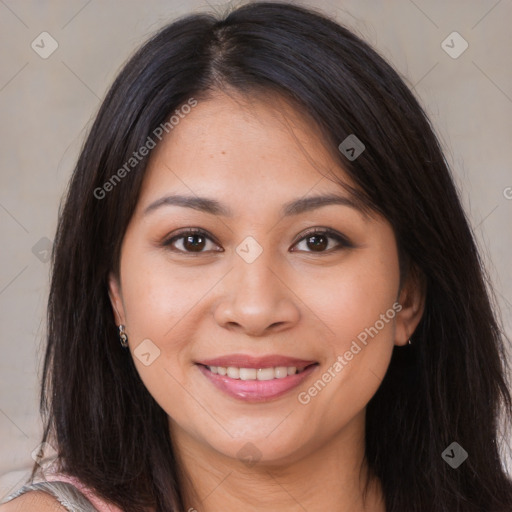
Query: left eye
x=318, y=239
x=194, y=241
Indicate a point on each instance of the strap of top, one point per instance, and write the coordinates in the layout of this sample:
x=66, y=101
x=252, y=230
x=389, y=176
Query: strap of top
x=67, y=495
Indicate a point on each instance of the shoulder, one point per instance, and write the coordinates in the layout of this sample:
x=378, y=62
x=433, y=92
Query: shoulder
x=58, y=492
x=33, y=501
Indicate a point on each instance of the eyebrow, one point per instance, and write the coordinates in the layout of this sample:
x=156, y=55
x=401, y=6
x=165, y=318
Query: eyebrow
x=214, y=207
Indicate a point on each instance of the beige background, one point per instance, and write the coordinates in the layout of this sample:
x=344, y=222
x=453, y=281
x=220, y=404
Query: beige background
x=46, y=106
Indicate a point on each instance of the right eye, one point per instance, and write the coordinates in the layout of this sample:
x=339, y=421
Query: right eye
x=193, y=241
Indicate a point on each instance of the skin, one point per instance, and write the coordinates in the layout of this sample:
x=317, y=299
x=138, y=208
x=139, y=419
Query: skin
x=254, y=156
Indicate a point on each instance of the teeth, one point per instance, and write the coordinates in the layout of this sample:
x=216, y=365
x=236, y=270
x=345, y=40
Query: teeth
x=266, y=374
x=233, y=372
x=278, y=372
x=281, y=372
x=247, y=373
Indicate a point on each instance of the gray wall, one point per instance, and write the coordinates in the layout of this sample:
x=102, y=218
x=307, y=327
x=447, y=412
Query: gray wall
x=46, y=106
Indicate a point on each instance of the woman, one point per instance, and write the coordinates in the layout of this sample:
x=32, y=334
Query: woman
x=265, y=292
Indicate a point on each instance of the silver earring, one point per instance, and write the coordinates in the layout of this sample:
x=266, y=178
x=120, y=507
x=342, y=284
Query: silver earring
x=410, y=342
x=123, y=338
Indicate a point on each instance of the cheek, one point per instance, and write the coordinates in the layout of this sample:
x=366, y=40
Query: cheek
x=351, y=299
x=154, y=313
x=156, y=302
x=157, y=295
x=359, y=306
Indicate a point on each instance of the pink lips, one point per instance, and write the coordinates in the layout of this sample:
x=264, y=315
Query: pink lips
x=256, y=390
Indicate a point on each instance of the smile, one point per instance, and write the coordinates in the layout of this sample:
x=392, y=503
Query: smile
x=256, y=384
x=278, y=372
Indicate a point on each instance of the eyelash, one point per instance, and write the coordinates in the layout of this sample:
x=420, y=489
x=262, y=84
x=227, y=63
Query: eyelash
x=342, y=241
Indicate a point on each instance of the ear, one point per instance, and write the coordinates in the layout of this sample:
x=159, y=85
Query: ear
x=412, y=300
x=114, y=292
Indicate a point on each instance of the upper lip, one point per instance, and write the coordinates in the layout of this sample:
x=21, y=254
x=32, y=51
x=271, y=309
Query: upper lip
x=247, y=361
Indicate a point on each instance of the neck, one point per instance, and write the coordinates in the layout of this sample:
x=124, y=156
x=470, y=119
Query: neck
x=326, y=477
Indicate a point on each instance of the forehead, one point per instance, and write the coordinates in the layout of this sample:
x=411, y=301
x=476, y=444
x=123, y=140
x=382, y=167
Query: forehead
x=242, y=149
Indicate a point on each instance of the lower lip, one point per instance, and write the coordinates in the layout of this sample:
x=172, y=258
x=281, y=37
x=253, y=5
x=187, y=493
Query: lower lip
x=256, y=390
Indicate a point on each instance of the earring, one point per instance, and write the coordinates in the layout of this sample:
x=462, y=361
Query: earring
x=410, y=342
x=123, y=338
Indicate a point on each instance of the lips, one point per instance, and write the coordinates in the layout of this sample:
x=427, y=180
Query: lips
x=256, y=379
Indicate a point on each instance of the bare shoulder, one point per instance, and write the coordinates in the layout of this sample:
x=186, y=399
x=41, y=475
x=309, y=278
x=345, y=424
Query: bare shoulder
x=33, y=501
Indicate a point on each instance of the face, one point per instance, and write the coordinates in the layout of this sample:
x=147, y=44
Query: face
x=254, y=287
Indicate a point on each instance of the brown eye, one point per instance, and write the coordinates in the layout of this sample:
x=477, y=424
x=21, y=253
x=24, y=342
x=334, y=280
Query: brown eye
x=317, y=240
x=194, y=242
x=191, y=241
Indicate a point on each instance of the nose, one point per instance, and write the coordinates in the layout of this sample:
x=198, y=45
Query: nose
x=256, y=300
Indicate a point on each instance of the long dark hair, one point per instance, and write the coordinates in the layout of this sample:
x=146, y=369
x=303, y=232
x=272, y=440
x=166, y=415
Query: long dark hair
x=449, y=386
